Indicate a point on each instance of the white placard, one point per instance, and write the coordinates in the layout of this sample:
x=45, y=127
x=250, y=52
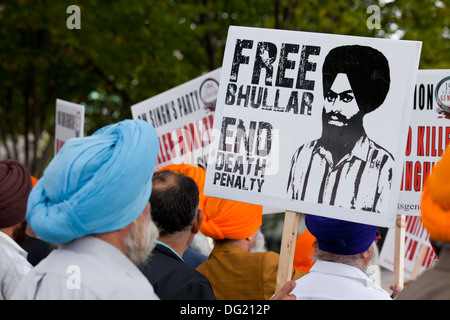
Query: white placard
x=428, y=135
x=268, y=122
x=183, y=118
x=69, y=122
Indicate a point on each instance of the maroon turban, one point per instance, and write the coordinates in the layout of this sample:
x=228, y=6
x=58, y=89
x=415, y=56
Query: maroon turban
x=15, y=186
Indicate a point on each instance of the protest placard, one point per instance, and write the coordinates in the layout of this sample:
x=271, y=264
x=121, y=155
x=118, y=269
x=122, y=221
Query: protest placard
x=69, y=122
x=428, y=135
x=277, y=134
x=183, y=119
x=313, y=123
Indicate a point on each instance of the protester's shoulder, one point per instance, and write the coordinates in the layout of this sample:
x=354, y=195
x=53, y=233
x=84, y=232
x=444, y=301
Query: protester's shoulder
x=194, y=277
x=186, y=271
x=172, y=269
x=61, y=263
x=267, y=258
x=190, y=274
x=195, y=287
x=374, y=294
x=5, y=258
x=270, y=255
x=433, y=284
x=11, y=262
x=7, y=251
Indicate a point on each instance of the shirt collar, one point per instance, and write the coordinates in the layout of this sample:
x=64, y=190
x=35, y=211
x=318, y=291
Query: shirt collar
x=14, y=244
x=343, y=270
x=168, y=247
x=361, y=148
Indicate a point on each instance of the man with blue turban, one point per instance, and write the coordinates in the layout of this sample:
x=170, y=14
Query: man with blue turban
x=93, y=200
x=343, y=253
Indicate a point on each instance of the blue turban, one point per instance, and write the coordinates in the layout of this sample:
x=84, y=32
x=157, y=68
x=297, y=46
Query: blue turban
x=95, y=184
x=339, y=236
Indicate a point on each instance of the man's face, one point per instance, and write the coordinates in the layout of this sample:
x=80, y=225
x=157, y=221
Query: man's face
x=340, y=104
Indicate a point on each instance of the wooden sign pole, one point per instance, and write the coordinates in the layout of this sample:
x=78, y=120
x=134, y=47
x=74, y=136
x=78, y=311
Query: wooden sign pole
x=418, y=264
x=287, y=249
x=399, y=251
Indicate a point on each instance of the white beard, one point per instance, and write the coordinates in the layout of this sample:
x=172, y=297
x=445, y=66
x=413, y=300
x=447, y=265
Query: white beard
x=260, y=243
x=373, y=270
x=140, y=243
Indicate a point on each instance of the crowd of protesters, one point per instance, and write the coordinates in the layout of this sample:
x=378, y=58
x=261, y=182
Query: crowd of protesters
x=101, y=223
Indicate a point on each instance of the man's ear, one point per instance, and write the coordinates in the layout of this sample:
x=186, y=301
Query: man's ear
x=198, y=221
x=366, y=255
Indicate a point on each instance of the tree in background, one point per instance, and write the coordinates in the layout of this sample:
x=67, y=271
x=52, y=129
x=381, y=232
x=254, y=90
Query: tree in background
x=128, y=51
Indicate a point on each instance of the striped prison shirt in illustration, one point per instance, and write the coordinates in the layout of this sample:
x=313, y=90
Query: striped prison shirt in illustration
x=360, y=180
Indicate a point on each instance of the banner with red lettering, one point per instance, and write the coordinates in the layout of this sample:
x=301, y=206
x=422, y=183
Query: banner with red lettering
x=183, y=118
x=428, y=135
x=69, y=122
x=416, y=236
x=313, y=123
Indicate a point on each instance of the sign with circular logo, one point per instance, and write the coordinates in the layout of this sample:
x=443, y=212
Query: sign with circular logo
x=208, y=93
x=442, y=94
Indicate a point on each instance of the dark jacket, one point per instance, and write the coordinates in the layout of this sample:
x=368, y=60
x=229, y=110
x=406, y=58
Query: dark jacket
x=173, y=279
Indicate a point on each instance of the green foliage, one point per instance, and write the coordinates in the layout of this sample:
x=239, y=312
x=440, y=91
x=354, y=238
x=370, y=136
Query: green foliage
x=128, y=51
x=426, y=21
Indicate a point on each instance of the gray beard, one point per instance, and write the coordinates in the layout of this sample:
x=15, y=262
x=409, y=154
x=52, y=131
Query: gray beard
x=140, y=242
x=260, y=243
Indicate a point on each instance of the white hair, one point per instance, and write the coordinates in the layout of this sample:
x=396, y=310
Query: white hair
x=351, y=260
x=202, y=244
x=141, y=241
x=260, y=243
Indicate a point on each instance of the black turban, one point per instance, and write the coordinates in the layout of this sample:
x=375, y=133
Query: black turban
x=367, y=70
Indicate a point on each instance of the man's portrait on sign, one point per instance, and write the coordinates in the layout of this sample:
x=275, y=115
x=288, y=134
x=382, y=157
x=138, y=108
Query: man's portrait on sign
x=313, y=123
x=344, y=167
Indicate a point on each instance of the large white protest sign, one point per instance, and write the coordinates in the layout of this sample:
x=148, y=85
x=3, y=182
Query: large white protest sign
x=281, y=138
x=428, y=135
x=69, y=122
x=183, y=119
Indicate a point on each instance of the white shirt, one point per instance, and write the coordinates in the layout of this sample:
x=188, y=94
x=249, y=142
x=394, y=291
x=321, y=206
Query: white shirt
x=13, y=265
x=87, y=268
x=337, y=281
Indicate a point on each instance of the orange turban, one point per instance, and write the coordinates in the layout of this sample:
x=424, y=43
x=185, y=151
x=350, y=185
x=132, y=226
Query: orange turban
x=228, y=219
x=435, y=202
x=34, y=180
x=304, y=251
x=196, y=173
